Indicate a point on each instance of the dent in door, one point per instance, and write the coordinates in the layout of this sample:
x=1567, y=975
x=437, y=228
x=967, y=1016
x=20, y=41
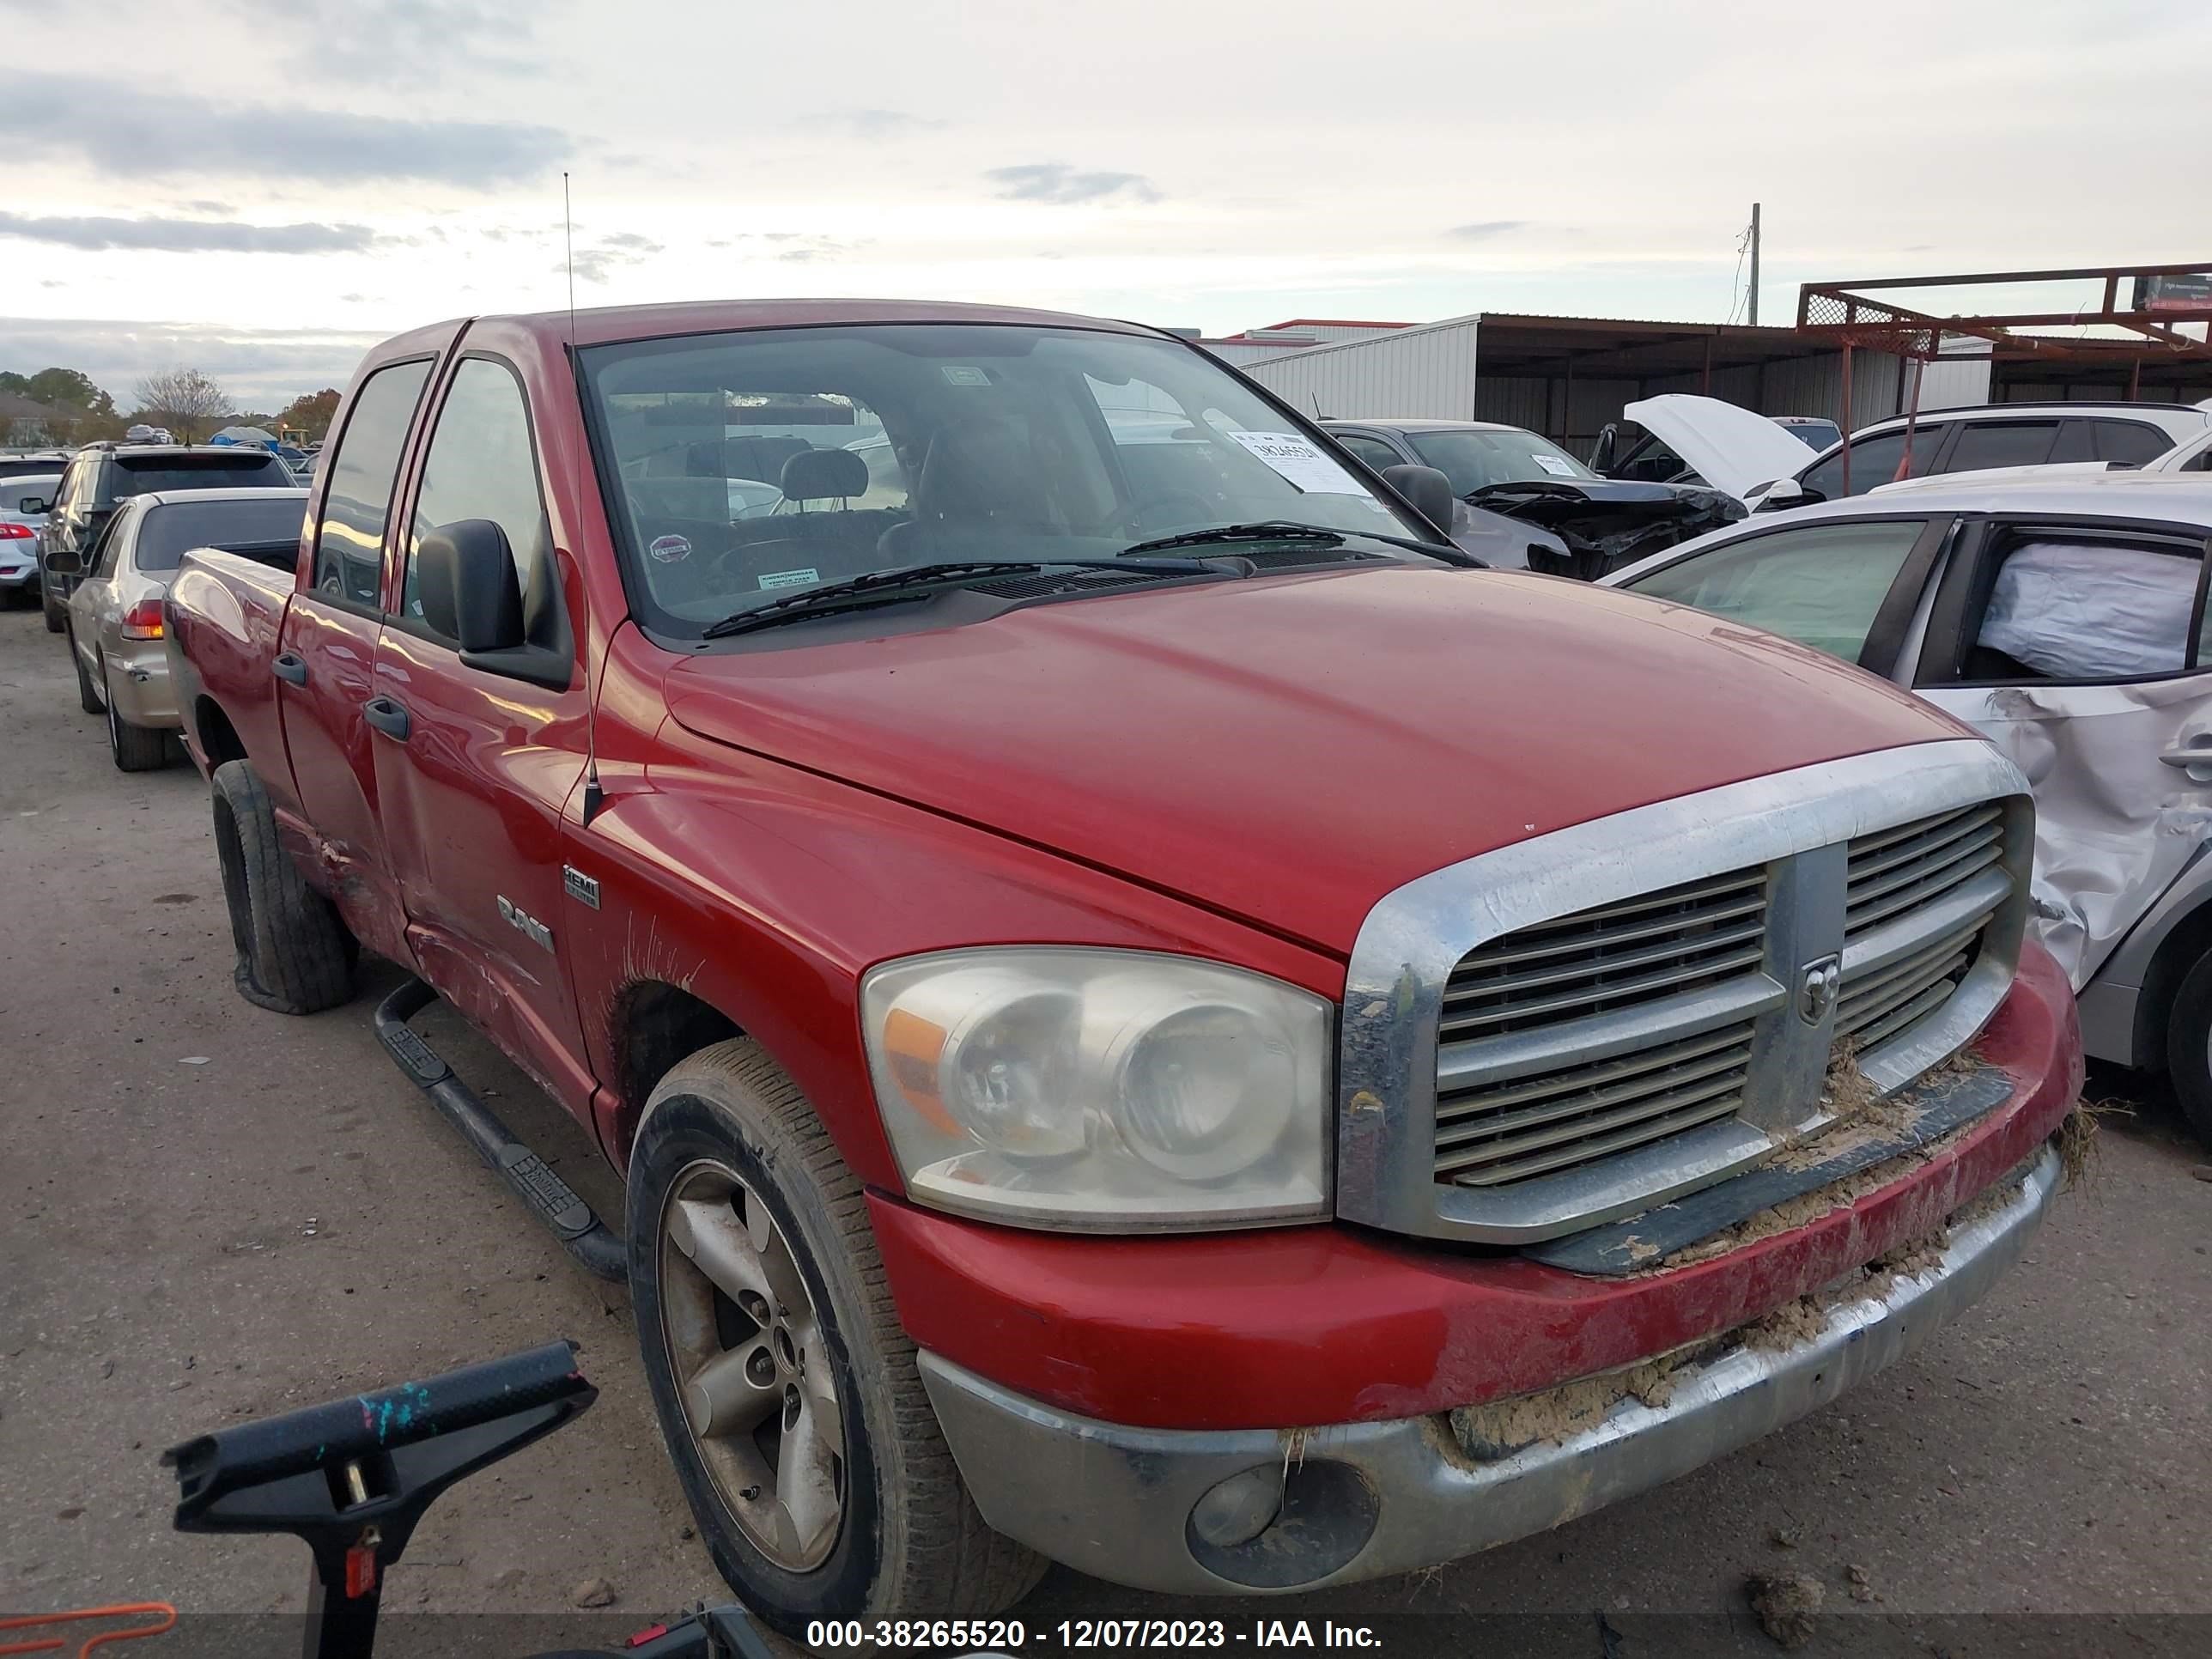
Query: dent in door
x=2114, y=825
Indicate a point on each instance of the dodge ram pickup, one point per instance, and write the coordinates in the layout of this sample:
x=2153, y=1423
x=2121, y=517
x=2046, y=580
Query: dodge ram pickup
x=1149, y=1014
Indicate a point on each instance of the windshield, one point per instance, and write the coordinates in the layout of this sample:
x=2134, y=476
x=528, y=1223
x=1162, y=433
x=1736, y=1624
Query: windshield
x=172, y=528
x=751, y=465
x=1474, y=458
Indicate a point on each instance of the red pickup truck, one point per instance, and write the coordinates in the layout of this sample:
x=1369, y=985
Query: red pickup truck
x=1149, y=1014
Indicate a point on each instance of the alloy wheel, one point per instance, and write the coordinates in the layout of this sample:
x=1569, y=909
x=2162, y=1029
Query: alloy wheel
x=745, y=1343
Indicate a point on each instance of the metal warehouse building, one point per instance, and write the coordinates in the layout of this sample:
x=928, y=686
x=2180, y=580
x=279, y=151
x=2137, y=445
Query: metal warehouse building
x=1566, y=377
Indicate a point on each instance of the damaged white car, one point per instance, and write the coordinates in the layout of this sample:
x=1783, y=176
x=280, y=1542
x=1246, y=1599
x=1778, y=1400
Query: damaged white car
x=2062, y=617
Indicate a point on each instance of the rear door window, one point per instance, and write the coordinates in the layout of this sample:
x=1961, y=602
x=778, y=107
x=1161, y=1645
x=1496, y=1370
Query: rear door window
x=2072, y=607
x=108, y=547
x=1821, y=585
x=2002, y=443
x=2130, y=443
x=350, y=539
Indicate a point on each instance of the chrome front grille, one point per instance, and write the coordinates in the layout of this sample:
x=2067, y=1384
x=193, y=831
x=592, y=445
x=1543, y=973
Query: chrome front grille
x=1576, y=1027
x=1490, y=1137
x=1614, y=956
x=1570, y=979
x=1932, y=886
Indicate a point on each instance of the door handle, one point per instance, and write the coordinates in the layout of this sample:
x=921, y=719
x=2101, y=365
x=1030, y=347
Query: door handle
x=292, y=670
x=2195, y=758
x=386, y=716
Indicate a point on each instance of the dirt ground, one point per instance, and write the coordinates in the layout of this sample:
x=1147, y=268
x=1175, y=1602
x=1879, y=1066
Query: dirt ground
x=209, y=1213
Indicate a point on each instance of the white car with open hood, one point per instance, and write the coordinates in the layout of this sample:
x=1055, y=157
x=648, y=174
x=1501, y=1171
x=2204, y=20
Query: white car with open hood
x=2062, y=617
x=1735, y=450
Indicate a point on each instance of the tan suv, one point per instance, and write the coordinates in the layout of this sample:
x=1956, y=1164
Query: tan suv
x=114, y=619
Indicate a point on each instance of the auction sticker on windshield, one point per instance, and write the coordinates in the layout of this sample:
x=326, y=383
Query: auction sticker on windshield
x=1555, y=466
x=1300, y=462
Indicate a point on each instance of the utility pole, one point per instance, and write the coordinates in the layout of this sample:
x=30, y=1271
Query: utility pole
x=1753, y=318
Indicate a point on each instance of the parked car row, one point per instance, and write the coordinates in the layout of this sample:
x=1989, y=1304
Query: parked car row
x=99, y=538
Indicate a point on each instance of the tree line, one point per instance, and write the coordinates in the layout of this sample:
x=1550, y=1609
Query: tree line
x=190, y=404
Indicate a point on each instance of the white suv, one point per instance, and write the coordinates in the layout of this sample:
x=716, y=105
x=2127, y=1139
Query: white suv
x=1734, y=449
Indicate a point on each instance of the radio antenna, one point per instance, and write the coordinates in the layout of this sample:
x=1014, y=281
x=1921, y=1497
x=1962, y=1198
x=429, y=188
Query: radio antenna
x=594, y=797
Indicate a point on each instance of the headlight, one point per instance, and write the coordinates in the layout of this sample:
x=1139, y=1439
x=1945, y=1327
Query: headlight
x=1107, y=1090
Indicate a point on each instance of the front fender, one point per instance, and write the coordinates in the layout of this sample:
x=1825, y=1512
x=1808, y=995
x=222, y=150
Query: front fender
x=767, y=891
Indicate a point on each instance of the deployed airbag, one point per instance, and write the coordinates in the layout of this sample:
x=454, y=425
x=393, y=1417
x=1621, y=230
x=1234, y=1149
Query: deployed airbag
x=2089, y=612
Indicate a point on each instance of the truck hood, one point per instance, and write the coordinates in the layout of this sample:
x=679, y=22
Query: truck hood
x=1288, y=749
x=1730, y=448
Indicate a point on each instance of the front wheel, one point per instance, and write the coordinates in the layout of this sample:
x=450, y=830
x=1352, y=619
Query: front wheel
x=57, y=615
x=2189, y=1047
x=786, y=1388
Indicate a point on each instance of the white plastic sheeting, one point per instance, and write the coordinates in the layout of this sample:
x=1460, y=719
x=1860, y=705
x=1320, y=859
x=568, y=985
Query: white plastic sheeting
x=2089, y=613
x=2114, y=825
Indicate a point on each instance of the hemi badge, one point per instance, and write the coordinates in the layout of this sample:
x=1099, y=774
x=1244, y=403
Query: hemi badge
x=580, y=886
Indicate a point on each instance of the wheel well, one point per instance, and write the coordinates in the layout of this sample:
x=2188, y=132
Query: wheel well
x=657, y=1025
x=2178, y=952
x=219, y=739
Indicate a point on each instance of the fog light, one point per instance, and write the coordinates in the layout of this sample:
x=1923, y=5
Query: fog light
x=1240, y=1509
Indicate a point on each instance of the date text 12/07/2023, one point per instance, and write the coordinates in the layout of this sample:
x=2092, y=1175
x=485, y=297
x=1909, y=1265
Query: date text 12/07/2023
x=984, y=1636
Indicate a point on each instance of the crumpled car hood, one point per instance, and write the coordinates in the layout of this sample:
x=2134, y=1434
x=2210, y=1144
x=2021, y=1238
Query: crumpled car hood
x=1609, y=523
x=1288, y=749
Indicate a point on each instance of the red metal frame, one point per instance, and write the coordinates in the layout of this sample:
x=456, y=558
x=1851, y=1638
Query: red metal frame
x=1845, y=312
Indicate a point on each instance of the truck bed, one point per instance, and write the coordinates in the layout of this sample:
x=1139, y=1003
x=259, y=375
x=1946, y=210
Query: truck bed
x=225, y=612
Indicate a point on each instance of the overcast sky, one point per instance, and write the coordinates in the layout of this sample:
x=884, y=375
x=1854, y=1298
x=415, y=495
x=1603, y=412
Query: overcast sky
x=260, y=188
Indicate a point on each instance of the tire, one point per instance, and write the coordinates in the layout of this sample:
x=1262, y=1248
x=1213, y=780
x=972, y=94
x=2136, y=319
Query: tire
x=2189, y=1047
x=89, y=696
x=295, y=956
x=56, y=616
x=908, y=1541
x=136, y=748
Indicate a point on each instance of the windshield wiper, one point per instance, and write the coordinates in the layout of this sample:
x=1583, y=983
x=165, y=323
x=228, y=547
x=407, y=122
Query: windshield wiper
x=857, y=593
x=1286, y=530
x=1266, y=530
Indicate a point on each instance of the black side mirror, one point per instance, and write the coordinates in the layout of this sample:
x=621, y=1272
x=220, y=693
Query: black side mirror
x=1428, y=490
x=31, y=506
x=61, y=562
x=470, y=592
x=1603, y=451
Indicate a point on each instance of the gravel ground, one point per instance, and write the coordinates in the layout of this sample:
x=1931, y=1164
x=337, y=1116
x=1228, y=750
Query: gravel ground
x=209, y=1213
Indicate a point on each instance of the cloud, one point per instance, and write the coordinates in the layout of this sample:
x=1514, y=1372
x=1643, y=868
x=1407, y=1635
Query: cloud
x=884, y=123
x=816, y=250
x=140, y=131
x=188, y=235
x=614, y=252
x=401, y=42
x=1486, y=229
x=1063, y=185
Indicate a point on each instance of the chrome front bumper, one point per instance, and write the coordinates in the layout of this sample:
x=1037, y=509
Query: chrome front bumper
x=1364, y=1499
